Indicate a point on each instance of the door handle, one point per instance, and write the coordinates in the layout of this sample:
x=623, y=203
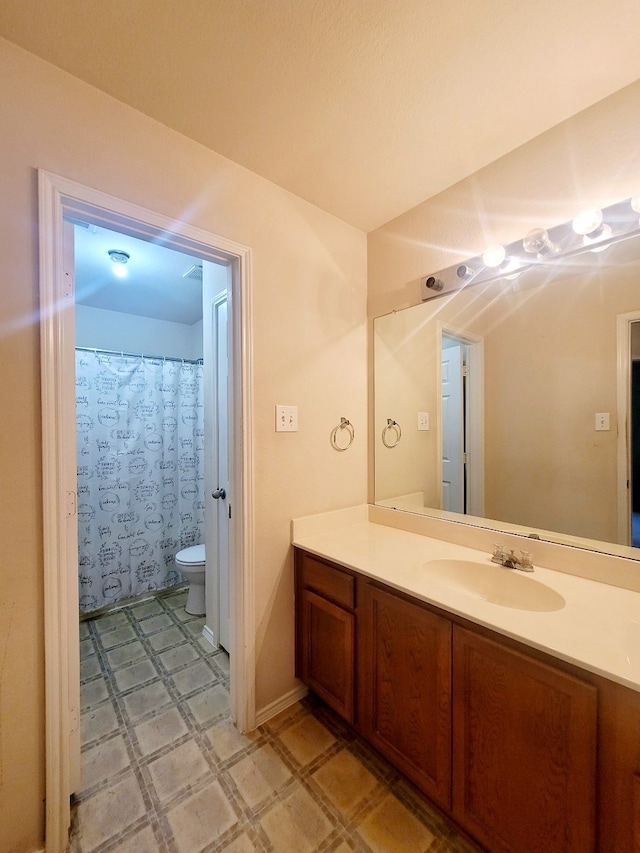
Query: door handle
x=219, y=493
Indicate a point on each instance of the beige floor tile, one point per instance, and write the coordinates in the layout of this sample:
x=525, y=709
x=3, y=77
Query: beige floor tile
x=176, y=599
x=93, y=692
x=98, y=722
x=221, y=659
x=165, y=639
x=89, y=668
x=134, y=675
x=297, y=824
x=152, y=697
x=142, y=841
x=242, y=844
x=346, y=782
x=226, y=740
x=103, y=624
x=259, y=775
x=201, y=819
x=124, y=655
x=104, y=760
x=117, y=637
x=190, y=678
x=391, y=828
x=211, y=703
x=179, y=768
x=146, y=608
x=195, y=626
x=87, y=649
x=84, y=630
x=160, y=731
x=108, y=813
x=181, y=614
x=155, y=623
x=178, y=656
x=306, y=739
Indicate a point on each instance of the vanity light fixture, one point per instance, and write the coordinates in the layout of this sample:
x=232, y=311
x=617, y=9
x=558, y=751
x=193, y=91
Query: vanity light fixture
x=120, y=260
x=591, y=230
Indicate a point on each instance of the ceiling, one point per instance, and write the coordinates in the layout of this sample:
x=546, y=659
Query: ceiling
x=155, y=284
x=363, y=107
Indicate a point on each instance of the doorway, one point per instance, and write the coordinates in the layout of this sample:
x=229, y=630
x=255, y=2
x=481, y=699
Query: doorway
x=461, y=422
x=60, y=199
x=628, y=439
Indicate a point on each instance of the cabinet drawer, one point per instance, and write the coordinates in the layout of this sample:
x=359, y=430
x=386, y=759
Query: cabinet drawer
x=332, y=583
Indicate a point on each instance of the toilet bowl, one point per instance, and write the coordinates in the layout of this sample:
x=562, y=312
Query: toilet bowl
x=191, y=562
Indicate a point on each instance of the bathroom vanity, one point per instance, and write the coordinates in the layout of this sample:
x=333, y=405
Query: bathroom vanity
x=517, y=712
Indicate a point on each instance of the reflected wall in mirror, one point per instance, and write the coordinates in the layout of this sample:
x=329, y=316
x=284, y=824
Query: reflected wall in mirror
x=542, y=372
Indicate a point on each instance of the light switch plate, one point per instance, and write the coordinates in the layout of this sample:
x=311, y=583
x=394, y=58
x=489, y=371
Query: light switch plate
x=423, y=421
x=602, y=421
x=286, y=419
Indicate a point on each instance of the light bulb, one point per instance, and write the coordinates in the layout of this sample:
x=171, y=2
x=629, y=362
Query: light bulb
x=120, y=271
x=603, y=234
x=537, y=242
x=587, y=221
x=494, y=256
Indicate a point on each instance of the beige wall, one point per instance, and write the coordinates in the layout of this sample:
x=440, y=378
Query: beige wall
x=309, y=339
x=591, y=159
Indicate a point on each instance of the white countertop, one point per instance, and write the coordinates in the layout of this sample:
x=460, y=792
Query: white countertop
x=598, y=628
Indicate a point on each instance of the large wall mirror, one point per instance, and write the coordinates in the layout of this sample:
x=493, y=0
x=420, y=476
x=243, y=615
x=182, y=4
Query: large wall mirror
x=513, y=404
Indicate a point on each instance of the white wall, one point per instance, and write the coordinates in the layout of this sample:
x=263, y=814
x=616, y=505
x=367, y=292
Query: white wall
x=308, y=340
x=112, y=330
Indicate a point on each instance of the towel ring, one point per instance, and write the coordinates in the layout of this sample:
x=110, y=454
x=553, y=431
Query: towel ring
x=395, y=426
x=344, y=424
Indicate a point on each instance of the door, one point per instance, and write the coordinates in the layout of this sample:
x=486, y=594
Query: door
x=218, y=512
x=453, y=479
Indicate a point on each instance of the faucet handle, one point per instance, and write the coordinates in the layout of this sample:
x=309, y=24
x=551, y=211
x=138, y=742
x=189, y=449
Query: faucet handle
x=498, y=554
x=525, y=561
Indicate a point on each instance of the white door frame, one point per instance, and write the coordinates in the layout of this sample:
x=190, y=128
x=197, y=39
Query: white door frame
x=475, y=413
x=59, y=197
x=623, y=343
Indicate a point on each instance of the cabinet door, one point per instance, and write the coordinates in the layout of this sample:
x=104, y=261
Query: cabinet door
x=405, y=688
x=327, y=650
x=524, y=750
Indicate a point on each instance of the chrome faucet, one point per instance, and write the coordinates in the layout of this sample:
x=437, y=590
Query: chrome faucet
x=510, y=560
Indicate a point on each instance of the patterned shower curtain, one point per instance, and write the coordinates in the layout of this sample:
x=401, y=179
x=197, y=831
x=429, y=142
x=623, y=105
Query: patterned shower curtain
x=140, y=429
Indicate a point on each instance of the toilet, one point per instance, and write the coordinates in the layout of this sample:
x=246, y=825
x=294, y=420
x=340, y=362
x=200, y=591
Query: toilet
x=191, y=562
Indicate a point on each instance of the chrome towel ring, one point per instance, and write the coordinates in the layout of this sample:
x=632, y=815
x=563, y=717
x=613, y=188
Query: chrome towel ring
x=344, y=424
x=392, y=427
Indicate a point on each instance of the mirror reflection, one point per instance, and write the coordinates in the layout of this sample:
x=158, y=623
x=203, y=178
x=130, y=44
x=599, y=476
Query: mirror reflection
x=517, y=402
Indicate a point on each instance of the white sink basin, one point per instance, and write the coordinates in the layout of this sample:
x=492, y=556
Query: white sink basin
x=495, y=584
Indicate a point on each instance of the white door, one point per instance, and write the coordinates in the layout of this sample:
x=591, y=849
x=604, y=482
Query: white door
x=452, y=427
x=218, y=499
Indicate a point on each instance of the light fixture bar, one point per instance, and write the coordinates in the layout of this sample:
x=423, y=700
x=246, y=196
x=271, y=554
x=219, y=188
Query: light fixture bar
x=539, y=248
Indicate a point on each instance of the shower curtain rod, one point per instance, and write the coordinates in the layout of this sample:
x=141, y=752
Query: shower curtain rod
x=140, y=355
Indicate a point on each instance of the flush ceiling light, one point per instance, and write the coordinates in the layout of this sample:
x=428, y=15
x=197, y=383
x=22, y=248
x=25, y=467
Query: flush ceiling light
x=120, y=260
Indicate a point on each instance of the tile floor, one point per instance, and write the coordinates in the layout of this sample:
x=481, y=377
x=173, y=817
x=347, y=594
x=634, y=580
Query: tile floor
x=165, y=771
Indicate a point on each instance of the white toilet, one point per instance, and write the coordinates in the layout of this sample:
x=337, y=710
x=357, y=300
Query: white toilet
x=191, y=562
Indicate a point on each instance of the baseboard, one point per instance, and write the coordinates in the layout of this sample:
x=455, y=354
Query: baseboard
x=281, y=704
x=208, y=634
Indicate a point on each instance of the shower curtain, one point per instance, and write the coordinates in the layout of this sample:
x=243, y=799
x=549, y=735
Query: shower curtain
x=140, y=430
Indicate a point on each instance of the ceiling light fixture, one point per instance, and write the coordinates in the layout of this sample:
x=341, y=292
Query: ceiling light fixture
x=120, y=260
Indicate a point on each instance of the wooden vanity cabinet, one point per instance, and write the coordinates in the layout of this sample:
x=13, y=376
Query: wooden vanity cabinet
x=404, y=687
x=524, y=750
x=501, y=736
x=325, y=632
